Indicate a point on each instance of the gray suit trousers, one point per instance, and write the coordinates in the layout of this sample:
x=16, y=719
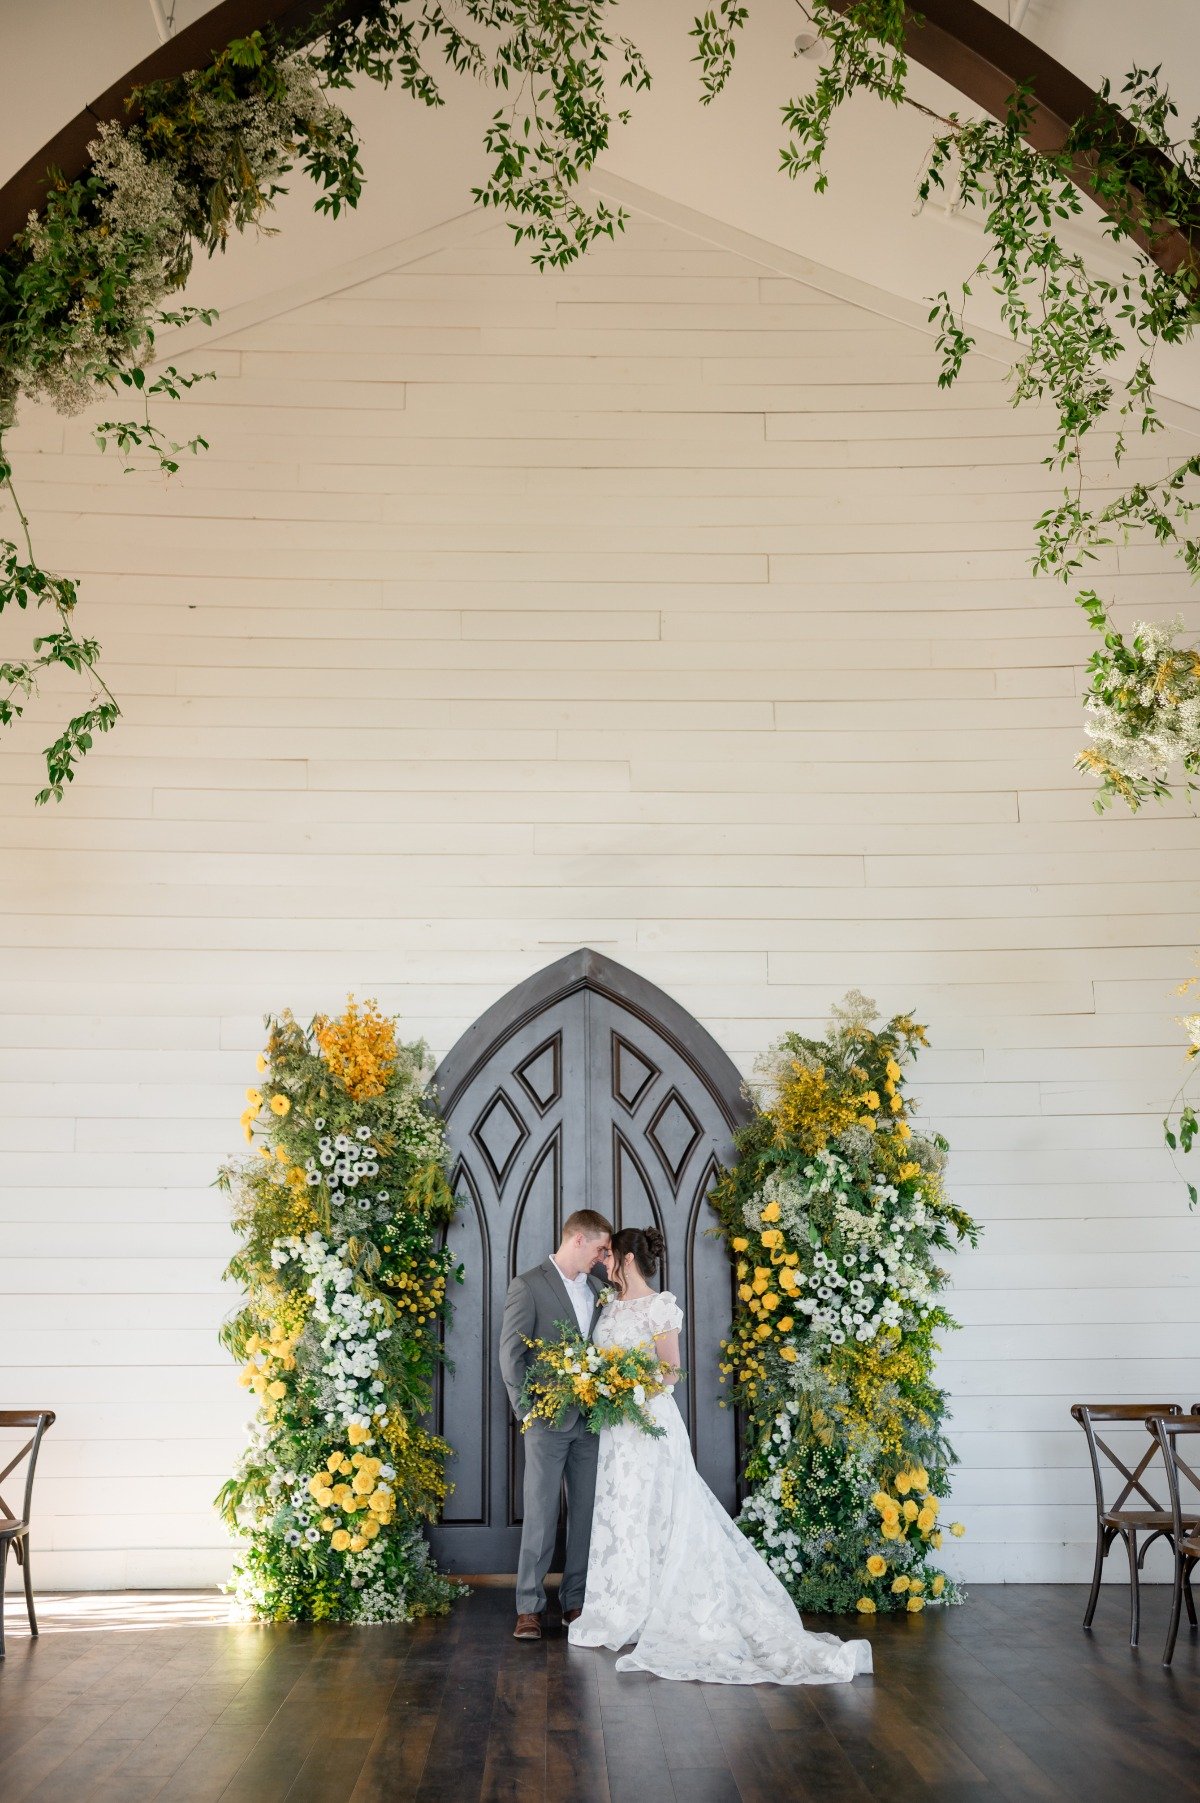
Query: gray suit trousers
x=552, y=1454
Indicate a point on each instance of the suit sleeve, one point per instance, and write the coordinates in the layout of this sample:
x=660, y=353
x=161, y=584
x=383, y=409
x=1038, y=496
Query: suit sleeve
x=519, y=1316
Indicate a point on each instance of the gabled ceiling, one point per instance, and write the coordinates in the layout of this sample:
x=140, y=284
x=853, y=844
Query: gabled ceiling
x=721, y=161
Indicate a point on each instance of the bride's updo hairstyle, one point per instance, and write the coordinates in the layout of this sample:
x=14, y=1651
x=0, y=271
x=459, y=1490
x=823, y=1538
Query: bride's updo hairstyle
x=646, y=1244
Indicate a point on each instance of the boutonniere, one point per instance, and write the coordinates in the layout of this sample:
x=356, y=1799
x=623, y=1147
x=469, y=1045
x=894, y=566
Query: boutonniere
x=607, y=1295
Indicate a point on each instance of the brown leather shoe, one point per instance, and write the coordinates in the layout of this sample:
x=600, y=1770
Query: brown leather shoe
x=570, y=1615
x=529, y=1627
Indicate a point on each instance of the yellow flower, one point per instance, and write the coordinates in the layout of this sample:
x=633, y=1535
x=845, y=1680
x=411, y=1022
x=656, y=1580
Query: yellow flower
x=342, y=1494
x=915, y=1604
x=248, y=1130
x=935, y=1540
x=957, y=1529
x=327, y=1522
x=910, y=1510
x=260, y=1064
x=920, y=1477
x=900, y=1585
x=745, y=1292
x=881, y=1501
x=362, y=1483
x=865, y=1606
x=340, y=1540
x=254, y=1097
x=785, y=1324
x=871, y=1100
x=370, y=1528
x=926, y=1520
x=938, y=1585
x=907, y=1170
x=867, y=1121
x=903, y=1482
x=739, y=1244
x=277, y=1389
x=264, y=1152
x=771, y=1212
x=788, y=1353
x=903, y=1130
x=877, y=1565
x=770, y=1300
x=280, y=1105
x=893, y=1070
x=889, y=1510
x=356, y=1433
x=357, y=1542
x=918, y=1585
x=890, y=1530
x=336, y=1460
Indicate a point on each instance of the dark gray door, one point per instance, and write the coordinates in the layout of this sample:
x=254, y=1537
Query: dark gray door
x=584, y=1087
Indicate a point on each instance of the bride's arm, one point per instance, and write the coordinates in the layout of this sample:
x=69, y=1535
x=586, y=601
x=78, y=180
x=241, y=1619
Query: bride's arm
x=667, y=1347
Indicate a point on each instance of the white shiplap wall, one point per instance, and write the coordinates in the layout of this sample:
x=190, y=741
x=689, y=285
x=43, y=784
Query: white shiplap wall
x=664, y=606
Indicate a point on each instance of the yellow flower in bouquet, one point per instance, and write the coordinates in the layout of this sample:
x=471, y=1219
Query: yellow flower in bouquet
x=607, y=1384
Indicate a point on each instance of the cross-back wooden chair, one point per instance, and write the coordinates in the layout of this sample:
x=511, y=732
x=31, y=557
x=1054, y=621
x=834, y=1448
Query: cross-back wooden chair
x=1114, y=1520
x=14, y=1528
x=1185, y=1508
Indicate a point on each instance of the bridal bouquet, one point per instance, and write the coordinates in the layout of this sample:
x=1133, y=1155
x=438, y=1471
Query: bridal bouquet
x=608, y=1384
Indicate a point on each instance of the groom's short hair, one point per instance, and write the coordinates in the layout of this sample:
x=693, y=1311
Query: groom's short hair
x=588, y=1222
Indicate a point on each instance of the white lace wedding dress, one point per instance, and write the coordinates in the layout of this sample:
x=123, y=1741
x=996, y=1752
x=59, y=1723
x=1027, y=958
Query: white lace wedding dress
x=668, y=1568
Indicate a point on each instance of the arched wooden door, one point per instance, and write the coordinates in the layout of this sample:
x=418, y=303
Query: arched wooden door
x=584, y=1087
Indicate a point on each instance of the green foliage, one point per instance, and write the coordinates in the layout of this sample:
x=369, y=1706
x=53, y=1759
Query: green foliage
x=344, y=1272
x=834, y=1214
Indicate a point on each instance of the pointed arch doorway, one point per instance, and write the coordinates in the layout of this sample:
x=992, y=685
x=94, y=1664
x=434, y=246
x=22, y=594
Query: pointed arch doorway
x=583, y=1087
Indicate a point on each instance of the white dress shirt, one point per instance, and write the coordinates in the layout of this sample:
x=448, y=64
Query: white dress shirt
x=579, y=1290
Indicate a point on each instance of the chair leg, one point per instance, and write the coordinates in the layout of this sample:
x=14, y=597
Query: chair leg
x=1135, y=1596
x=1103, y=1540
x=1177, y=1589
x=33, y=1627
x=1187, y=1592
x=3, y=1563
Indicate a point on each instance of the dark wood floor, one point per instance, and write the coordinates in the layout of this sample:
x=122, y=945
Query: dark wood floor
x=124, y=1699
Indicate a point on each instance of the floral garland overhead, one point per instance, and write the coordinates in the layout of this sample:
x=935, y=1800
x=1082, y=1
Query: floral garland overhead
x=339, y=1210
x=834, y=1214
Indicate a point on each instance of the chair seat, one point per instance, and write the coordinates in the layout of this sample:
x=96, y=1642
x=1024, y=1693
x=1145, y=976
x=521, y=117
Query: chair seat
x=11, y=1530
x=1145, y=1518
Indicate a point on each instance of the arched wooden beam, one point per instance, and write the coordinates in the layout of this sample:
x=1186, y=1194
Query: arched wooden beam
x=194, y=48
x=987, y=60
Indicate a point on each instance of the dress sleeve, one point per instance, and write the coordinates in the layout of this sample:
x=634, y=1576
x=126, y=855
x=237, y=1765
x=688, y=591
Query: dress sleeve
x=664, y=1314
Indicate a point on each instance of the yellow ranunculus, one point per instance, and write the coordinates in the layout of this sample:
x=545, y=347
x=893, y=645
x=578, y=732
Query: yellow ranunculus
x=957, y=1529
x=340, y=1540
x=877, y=1565
x=904, y=1482
x=745, y=1292
x=336, y=1460
x=763, y=1331
x=357, y=1542
x=890, y=1530
x=938, y=1585
x=770, y=1300
x=784, y=1324
x=900, y=1585
x=356, y=1433
x=889, y=1510
x=772, y=1238
x=927, y=1521
x=882, y=1501
x=342, y=1494
x=771, y=1212
x=915, y=1604
x=931, y=1502
x=935, y=1539
x=920, y=1478
x=865, y=1606
x=788, y=1353
x=280, y=1105
x=910, y=1510
x=327, y=1523
x=278, y=1389
x=740, y=1244
x=370, y=1527
x=362, y=1483
x=908, y=1170
x=918, y=1585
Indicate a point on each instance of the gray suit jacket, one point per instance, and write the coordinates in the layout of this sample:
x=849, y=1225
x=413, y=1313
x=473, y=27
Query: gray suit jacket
x=537, y=1300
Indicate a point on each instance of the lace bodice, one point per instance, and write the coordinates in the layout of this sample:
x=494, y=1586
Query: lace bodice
x=638, y=1320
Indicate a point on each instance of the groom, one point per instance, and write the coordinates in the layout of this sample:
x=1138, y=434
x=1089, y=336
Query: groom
x=561, y=1288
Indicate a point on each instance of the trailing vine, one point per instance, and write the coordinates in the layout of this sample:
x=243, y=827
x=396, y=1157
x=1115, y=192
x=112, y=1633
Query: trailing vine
x=205, y=155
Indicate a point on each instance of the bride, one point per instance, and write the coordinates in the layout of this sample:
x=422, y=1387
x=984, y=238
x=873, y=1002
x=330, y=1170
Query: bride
x=667, y=1567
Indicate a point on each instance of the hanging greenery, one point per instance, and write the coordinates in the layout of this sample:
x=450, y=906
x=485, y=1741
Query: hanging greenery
x=1087, y=342
x=339, y=1210
x=205, y=155
x=834, y=1215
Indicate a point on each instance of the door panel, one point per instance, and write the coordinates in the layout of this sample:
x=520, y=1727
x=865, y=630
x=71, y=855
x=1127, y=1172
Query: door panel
x=585, y=1087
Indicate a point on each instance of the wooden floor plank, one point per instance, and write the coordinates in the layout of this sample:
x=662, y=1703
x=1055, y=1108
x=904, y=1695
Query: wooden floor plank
x=1003, y=1701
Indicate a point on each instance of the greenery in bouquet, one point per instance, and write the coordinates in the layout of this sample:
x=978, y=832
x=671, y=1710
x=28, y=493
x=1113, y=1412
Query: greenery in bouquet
x=608, y=1384
x=340, y=1210
x=834, y=1213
